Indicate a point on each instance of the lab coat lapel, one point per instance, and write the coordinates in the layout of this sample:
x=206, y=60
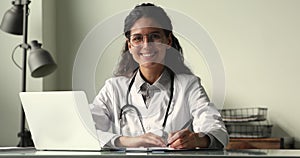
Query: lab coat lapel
x=137, y=100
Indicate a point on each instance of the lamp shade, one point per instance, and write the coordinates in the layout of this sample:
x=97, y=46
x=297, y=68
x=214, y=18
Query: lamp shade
x=40, y=61
x=12, y=21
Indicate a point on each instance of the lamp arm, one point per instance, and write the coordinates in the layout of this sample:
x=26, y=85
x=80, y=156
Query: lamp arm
x=25, y=46
x=13, y=57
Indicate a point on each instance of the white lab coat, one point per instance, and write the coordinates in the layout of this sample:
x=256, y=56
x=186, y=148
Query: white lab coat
x=190, y=101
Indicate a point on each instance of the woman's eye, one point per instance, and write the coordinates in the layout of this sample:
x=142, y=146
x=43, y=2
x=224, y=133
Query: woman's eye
x=137, y=38
x=155, y=36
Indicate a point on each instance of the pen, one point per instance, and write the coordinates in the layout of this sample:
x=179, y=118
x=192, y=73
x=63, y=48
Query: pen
x=186, y=125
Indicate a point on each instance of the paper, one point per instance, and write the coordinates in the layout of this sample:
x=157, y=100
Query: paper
x=150, y=149
x=16, y=148
x=140, y=149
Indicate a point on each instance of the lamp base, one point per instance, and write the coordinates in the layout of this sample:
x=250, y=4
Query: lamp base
x=26, y=140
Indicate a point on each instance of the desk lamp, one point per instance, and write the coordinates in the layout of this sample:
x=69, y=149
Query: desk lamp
x=15, y=21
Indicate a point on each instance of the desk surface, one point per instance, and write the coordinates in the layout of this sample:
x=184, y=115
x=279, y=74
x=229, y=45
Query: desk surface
x=108, y=154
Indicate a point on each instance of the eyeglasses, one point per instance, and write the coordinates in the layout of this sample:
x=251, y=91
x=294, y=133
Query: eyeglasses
x=138, y=39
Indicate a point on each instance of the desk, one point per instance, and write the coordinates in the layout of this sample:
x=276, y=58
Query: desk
x=176, y=154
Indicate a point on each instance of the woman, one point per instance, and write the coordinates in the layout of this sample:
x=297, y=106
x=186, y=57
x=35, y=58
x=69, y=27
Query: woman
x=154, y=100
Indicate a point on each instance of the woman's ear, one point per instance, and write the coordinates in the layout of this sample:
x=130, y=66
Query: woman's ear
x=128, y=44
x=170, y=41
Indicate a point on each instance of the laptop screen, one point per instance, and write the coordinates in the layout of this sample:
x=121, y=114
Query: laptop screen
x=60, y=120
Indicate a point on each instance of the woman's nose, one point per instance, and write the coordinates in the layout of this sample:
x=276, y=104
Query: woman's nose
x=147, y=40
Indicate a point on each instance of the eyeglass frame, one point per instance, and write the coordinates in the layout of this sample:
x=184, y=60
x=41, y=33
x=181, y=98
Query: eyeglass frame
x=149, y=37
x=165, y=32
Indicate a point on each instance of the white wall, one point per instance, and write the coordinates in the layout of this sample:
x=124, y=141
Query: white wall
x=257, y=41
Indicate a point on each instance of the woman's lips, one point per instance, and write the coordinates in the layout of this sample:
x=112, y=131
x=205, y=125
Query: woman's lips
x=148, y=56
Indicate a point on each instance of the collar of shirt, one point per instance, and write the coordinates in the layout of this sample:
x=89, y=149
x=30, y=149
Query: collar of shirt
x=162, y=83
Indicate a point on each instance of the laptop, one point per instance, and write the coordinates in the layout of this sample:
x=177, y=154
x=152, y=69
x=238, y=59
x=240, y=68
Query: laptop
x=60, y=120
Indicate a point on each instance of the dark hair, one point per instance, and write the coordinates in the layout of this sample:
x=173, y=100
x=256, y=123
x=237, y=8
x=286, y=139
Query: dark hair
x=174, y=56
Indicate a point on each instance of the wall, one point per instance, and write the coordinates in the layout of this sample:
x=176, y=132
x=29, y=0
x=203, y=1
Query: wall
x=10, y=84
x=257, y=41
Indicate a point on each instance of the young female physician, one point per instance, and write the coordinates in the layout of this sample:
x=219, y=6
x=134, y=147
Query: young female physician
x=154, y=99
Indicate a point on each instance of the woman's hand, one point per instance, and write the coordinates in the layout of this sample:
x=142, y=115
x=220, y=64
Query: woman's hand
x=185, y=139
x=146, y=140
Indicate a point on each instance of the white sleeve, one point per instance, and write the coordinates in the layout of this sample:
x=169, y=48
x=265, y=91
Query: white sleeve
x=102, y=113
x=207, y=118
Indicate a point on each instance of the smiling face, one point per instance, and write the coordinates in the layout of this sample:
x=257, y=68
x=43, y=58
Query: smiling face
x=148, y=43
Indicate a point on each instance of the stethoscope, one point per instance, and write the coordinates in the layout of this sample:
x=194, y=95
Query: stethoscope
x=127, y=105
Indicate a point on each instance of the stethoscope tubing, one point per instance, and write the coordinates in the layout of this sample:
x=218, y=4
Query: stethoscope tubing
x=127, y=105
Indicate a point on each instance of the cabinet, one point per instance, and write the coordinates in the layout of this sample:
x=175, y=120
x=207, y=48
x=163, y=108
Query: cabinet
x=255, y=143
